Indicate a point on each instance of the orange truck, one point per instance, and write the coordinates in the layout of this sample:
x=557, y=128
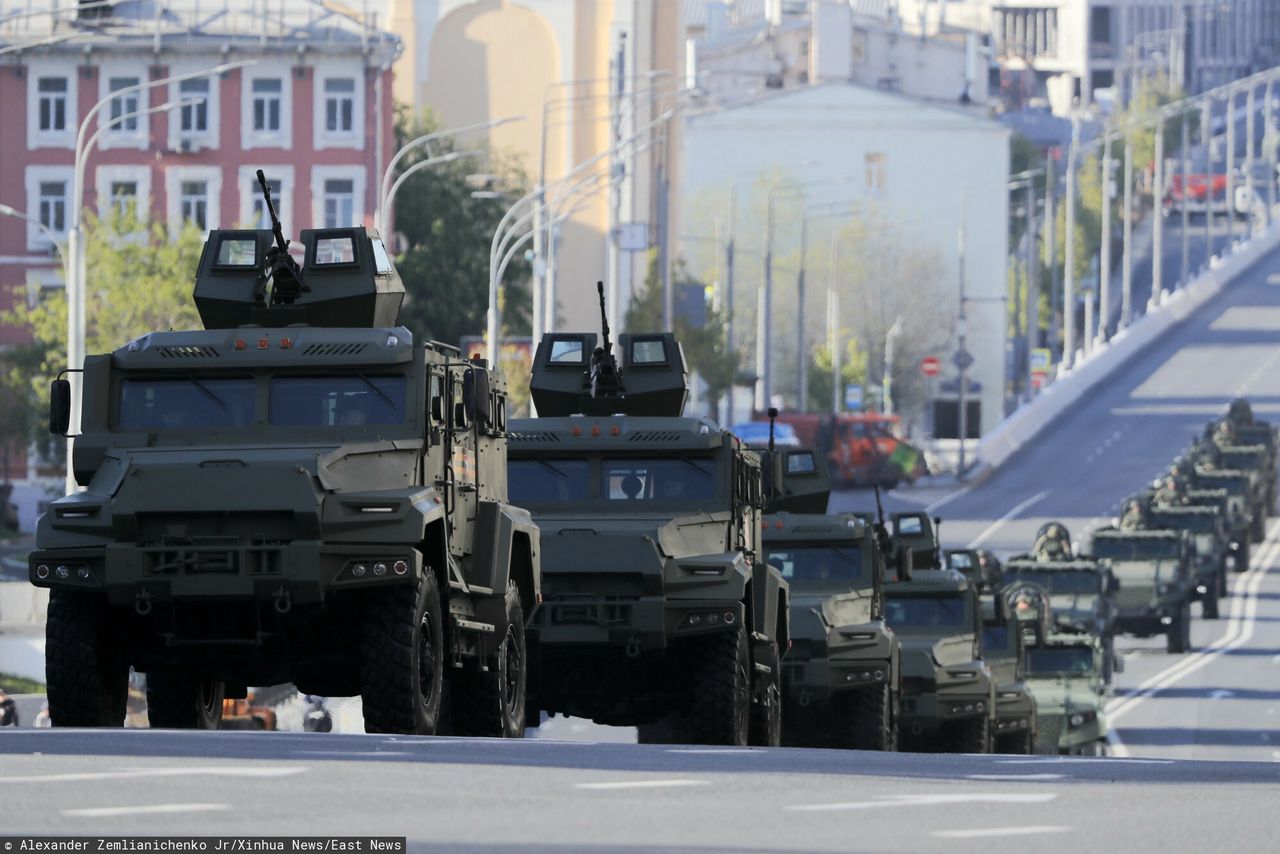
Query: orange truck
x=863, y=449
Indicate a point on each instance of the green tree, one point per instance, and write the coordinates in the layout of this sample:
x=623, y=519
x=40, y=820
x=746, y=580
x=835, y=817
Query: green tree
x=853, y=370
x=705, y=346
x=445, y=234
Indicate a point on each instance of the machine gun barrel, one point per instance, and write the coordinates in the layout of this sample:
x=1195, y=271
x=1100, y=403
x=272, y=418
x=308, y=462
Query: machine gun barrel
x=281, y=243
x=604, y=321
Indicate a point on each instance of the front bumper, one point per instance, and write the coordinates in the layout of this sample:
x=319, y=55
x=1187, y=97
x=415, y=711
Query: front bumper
x=817, y=679
x=301, y=572
x=640, y=624
x=937, y=708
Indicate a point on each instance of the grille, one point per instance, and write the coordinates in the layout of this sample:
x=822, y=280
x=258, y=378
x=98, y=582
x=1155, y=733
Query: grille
x=334, y=349
x=191, y=352
x=1048, y=729
x=655, y=436
x=536, y=436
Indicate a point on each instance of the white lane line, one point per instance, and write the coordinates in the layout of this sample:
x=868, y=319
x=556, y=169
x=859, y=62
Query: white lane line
x=1014, y=776
x=1240, y=629
x=1061, y=760
x=997, y=524
x=947, y=499
x=140, y=773
x=713, y=750
x=983, y=832
x=347, y=753
x=885, y=801
x=147, y=809
x=640, y=784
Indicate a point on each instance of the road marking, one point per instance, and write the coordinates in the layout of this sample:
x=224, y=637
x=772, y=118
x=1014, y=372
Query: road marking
x=1240, y=627
x=705, y=750
x=150, y=809
x=947, y=499
x=1221, y=694
x=1014, y=776
x=884, y=801
x=1273, y=279
x=997, y=524
x=981, y=832
x=640, y=784
x=1066, y=759
x=352, y=753
x=138, y=773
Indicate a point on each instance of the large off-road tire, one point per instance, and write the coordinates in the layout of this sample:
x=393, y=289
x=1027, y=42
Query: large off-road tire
x=1258, y=527
x=402, y=656
x=1241, y=561
x=972, y=735
x=86, y=666
x=864, y=719
x=1018, y=743
x=181, y=700
x=491, y=702
x=1209, y=604
x=720, y=688
x=1178, y=634
x=765, y=726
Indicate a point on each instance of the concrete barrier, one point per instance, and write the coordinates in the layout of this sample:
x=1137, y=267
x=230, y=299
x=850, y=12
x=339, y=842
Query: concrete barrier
x=1014, y=432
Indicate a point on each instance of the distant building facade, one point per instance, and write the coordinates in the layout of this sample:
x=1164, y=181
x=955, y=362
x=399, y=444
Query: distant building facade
x=314, y=112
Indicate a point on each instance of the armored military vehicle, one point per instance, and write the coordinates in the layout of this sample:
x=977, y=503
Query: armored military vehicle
x=980, y=566
x=660, y=611
x=298, y=492
x=1210, y=548
x=1004, y=650
x=1064, y=673
x=948, y=694
x=841, y=677
x=1153, y=569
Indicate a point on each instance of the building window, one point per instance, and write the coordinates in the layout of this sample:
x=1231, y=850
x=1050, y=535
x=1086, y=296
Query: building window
x=875, y=179
x=260, y=219
x=194, y=203
x=52, y=210
x=266, y=104
x=123, y=106
x=53, y=104
x=339, y=202
x=124, y=196
x=194, y=118
x=339, y=104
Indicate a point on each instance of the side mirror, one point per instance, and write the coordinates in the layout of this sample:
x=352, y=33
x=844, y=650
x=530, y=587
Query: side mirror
x=460, y=420
x=476, y=396
x=437, y=409
x=1113, y=584
x=59, y=407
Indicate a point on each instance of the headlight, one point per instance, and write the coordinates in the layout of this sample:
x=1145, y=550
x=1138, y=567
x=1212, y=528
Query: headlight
x=1079, y=719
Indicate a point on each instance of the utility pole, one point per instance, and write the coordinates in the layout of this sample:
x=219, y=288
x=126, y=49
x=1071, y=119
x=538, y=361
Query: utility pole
x=802, y=353
x=890, y=347
x=664, y=263
x=1104, y=272
x=728, y=292
x=1068, y=270
x=961, y=322
x=1185, y=272
x=1157, y=220
x=616, y=167
x=1231, y=169
x=1033, y=285
x=764, y=338
x=1126, y=274
x=833, y=323
x=1051, y=250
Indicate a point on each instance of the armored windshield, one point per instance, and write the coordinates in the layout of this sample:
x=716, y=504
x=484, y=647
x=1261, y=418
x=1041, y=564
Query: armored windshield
x=818, y=565
x=337, y=401
x=1068, y=581
x=1197, y=522
x=927, y=611
x=185, y=402
x=1137, y=548
x=539, y=481
x=1060, y=659
x=657, y=479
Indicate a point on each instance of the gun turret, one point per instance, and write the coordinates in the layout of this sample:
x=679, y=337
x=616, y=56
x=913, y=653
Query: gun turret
x=606, y=379
x=281, y=280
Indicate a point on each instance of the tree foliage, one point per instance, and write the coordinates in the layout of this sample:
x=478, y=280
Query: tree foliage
x=853, y=370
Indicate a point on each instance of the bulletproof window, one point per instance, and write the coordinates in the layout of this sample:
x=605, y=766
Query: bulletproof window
x=237, y=252
x=567, y=352
x=960, y=560
x=926, y=611
x=1136, y=549
x=539, y=481
x=672, y=479
x=1060, y=659
x=801, y=463
x=337, y=401
x=908, y=525
x=186, y=402
x=332, y=251
x=648, y=352
x=818, y=565
x=1063, y=581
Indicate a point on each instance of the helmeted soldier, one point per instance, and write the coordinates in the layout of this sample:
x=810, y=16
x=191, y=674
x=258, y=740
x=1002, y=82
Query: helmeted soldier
x=1224, y=432
x=1133, y=515
x=1206, y=456
x=1172, y=490
x=1053, y=542
x=1240, y=412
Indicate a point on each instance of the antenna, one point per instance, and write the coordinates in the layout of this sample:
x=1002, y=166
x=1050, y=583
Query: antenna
x=773, y=420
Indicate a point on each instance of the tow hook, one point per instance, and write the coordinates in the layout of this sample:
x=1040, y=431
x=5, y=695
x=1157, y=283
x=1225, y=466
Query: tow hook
x=281, y=601
x=142, y=603
x=634, y=648
x=805, y=698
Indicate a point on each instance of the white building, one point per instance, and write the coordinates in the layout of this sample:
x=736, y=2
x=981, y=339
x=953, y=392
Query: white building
x=926, y=167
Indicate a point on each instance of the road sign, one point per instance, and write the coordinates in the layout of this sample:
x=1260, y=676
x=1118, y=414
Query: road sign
x=929, y=366
x=1040, y=361
x=853, y=396
x=963, y=359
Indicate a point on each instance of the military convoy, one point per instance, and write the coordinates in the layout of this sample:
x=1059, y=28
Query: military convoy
x=297, y=492
x=659, y=610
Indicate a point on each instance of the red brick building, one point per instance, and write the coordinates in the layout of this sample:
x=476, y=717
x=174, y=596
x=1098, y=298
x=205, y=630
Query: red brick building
x=314, y=111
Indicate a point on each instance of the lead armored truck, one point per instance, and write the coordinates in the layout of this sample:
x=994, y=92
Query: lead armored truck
x=660, y=611
x=298, y=492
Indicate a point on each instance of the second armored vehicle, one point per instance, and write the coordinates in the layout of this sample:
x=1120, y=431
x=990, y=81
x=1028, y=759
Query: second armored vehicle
x=1153, y=569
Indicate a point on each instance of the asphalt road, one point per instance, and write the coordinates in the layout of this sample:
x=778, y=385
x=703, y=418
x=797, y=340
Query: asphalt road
x=1221, y=703
x=539, y=796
